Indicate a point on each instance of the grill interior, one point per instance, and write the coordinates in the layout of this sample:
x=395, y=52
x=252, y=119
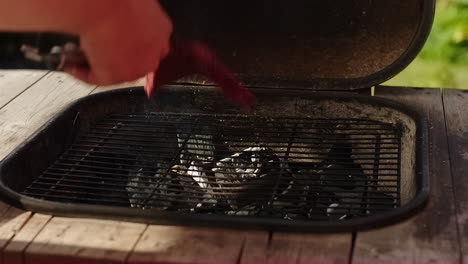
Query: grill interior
x=230, y=164
x=299, y=161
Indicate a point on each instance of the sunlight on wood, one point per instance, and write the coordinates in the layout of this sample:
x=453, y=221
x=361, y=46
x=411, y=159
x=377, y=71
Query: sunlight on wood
x=171, y=244
x=85, y=239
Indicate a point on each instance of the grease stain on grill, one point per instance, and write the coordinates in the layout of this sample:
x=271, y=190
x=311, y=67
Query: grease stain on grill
x=289, y=168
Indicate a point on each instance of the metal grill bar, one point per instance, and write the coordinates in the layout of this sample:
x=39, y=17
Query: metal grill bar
x=85, y=191
x=116, y=147
x=142, y=128
x=188, y=191
x=95, y=139
x=142, y=137
x=292, y=168
x=108, y=157
x=311, y=133
x=303, y=158
x=78, y=184
x=202, y=170
x=111, y=163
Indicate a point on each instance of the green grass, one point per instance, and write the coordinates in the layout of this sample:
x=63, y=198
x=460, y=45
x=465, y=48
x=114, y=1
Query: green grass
x=434, y=74
x=443, y=62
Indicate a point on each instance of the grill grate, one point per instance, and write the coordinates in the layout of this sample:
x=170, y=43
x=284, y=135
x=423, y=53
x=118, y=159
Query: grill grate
x=291, y=168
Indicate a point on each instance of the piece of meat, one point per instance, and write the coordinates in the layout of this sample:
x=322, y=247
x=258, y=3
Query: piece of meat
x=192, y=57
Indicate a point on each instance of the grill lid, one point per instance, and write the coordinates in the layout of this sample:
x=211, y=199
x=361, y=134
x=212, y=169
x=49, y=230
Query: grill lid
x=332, y=45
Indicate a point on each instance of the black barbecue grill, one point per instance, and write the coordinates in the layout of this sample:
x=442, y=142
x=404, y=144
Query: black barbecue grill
x=161, y=161
x=305, y=159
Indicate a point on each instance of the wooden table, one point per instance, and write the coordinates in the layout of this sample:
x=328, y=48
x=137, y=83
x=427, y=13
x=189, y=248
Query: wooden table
x=439, y=234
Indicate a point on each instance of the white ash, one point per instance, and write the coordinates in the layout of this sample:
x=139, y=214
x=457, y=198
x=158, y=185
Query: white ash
x=207, y=202
x=251, y=172
x=334, y=211
x=251, y=163
x=247, y=173
x=196, y=147
x=142, y=187
x=197, y=171
x=246, y=210
x=190, y=184
x=197, y=155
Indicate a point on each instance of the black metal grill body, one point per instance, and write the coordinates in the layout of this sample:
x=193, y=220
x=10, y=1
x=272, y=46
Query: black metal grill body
x=188, y=158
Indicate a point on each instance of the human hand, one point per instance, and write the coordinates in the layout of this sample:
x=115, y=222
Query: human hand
x=122, y=41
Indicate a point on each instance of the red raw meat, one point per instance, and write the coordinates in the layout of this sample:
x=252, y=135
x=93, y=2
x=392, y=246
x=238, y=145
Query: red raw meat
x=187, y=58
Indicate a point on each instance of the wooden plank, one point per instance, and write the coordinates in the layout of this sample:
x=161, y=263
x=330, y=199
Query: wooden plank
x=431, y=236
x=74, y=240
x=169, y=244
x=15, y=98
x=3, y=208
x=13, y=253
x=297, y=248
x=14, y=82
x=173, y=244
x=29, y=111
x=24, y=115
x=43, y=100
x=10, y=223
x=456, y=115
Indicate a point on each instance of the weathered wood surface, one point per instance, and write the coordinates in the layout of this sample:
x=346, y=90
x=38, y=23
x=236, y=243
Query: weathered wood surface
x=171, y=244
x=71, y=240
x=28, y=112
x=36, y=101
x=431, y=236
x=34, y=104
x=14, y=252
x=287, y=248
x=13, y=83
x=11, y=223
x=456, y=116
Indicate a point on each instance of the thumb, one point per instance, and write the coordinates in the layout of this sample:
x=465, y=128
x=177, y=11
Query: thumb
x=82, y=74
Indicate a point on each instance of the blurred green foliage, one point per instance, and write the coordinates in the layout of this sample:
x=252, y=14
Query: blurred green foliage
x=443, y=62
x=448, y=41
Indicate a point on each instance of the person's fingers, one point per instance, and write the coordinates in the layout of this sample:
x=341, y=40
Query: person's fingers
x=126, y=45
x=82, y=74
x=71, y=47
